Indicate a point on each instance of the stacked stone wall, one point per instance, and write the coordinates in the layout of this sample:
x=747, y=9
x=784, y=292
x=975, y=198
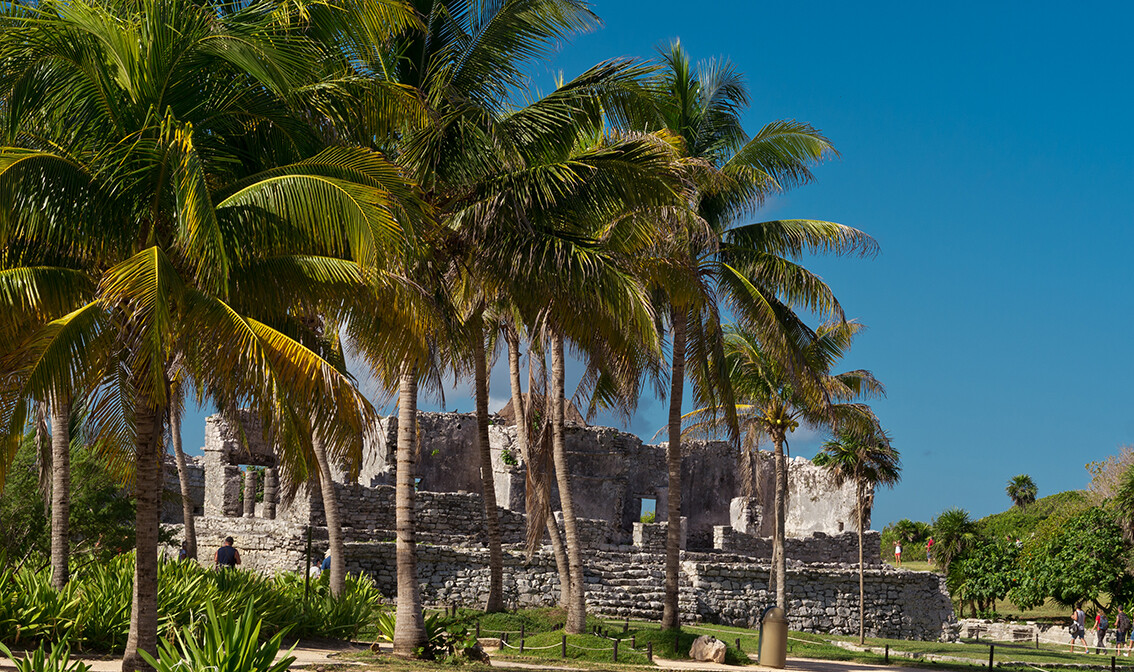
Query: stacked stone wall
x=819, y=547
x=724, y=589
x=171, y=511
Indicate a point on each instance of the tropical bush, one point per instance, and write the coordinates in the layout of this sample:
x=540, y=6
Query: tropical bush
x=94, y=609
x=221, y=644
x=58, y=659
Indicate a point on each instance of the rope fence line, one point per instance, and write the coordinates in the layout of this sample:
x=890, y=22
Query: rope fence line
x=530, y=648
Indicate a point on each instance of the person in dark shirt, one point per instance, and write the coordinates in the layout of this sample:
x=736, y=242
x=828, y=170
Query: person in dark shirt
x=327, y=563
x=227, y=555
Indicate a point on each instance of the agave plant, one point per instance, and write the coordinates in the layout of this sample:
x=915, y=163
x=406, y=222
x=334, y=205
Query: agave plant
x=222, y=644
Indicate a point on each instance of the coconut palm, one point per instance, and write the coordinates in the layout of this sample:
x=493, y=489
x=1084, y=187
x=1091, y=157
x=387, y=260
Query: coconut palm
x=132, y=165
x=867, y=463
x=707, y=258
x=771, y=403
x=1022, y=490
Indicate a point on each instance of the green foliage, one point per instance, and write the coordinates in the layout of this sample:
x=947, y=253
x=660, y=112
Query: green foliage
x=57, y=660
x=954, y=533
x=102, y=513
x=94, y=608
x=1018, y=523
x=1022, y=490
x=912, y=534
x=1074, y=560
x=649, y=517
x=221, y=644
x=985, y=573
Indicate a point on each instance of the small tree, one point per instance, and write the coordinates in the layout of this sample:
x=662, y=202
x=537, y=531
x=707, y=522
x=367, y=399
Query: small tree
x=954, y=532
x=866, y=463
x=1022, y=489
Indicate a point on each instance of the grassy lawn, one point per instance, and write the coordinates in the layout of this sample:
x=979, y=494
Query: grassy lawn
x=543, y=631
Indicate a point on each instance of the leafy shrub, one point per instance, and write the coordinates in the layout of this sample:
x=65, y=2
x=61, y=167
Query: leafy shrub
x=94, y=608
x=57, y=660
x=221, y=644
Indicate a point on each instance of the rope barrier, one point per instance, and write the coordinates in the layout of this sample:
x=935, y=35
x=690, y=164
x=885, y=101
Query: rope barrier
x=530, y=648
x=586, y=648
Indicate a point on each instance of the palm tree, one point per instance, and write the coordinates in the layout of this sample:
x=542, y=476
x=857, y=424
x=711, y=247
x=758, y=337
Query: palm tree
x=1022, y=490
x=954, y=532
x=772, y=403
x=867, y=463
x=176, y=408
x=60, y=489
x=707, y=258
x=136, y=153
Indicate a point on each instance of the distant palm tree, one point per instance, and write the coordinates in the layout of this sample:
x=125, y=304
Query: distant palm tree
x=867, y=463
x=954, y=532
x=1022, y=490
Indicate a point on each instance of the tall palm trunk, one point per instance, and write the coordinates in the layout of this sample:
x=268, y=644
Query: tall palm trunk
x=861, y=579
x=147, y=489
x=523, y=443
x=577, y=606
x=331, y=512
x=409, y=628
x=60, y=491
x=491, y=515
x=670, y=615
x=778, y=558
x=183, y=477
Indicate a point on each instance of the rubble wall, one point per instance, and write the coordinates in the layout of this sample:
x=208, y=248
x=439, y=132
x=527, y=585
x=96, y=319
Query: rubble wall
x=723, y=589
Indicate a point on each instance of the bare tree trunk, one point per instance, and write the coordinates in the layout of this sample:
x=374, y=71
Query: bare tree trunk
x=523, y=443
x=147, y=489
x=577, y=606
x=60, y=491
x=331, y=512
x=861, y=579
x=670, y=614
x=780, y=560
x=183, y=477
x=491, y=515
x=409, y=628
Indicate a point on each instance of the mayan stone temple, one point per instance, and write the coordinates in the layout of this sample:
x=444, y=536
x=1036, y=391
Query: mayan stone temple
x=726, y=553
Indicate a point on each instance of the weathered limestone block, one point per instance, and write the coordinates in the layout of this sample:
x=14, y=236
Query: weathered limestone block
x=654, y=536
x=745, y=515
x=708, y=649
x=271, y=492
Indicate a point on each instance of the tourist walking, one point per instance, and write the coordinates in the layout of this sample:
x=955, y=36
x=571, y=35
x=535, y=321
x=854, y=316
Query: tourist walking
x=227, y=556
x=929, y=551
x=183, y=553
x=1121, y=633
x=1101, y=624
x=1079, y=629
x=898, y=553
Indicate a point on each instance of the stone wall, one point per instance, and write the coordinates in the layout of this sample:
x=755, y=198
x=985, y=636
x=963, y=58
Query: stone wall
x=617, y=471
x=819, y=547
x=266, y=546
x=653, y=537
x=725, y=589
x=171, y=511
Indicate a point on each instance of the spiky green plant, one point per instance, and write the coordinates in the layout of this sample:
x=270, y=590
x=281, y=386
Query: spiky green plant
x=228, y=643
x=58, y=659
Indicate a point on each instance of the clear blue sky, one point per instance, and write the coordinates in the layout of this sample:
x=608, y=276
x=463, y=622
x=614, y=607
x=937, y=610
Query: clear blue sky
x=988, y=148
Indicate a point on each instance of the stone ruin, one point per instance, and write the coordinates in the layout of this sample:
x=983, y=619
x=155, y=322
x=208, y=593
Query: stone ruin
x=726, y=550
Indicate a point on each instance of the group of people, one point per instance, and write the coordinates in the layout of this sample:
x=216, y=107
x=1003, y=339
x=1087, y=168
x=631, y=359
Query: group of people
x=898, y=552
x=1122, y=626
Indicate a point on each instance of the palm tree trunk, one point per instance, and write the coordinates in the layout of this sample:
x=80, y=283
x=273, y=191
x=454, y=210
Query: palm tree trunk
x=60, y=491
x=491, y=515
x=778, y=557
x=183, y=477
x=577, y=606
x=409, y=627
x=331, y=512
x=670, y=615
x=523, y=443
x=861, y=579
x=147, y=489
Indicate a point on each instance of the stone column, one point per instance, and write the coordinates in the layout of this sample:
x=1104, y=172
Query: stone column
x=271, y=490
x=249, y=493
